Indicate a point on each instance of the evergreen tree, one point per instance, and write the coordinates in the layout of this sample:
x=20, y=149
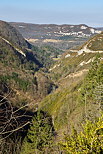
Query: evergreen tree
x=40, y=134
x=92, y=86
x=90, y=140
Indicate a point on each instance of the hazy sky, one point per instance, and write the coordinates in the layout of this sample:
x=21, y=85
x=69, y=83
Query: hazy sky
x=89, y=12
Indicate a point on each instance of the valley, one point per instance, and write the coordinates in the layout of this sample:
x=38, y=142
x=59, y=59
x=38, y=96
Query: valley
x=59, y=36
x=51, y=79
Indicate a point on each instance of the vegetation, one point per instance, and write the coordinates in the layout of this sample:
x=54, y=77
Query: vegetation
x=92, y=88
x=76, y=97
x=95, y=43
x=25, y=79
x=71, y=64
x=40, y=135
x=22, y=84
x=11, y=34
x=88, y=141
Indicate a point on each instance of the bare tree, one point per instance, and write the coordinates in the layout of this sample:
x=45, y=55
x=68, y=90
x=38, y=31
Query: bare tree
x=14, y=123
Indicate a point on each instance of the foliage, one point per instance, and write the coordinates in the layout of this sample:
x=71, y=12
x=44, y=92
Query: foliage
x=22, y=84
x=88, y=141
x=93, y=80
x=67, y=104
x=40, y=134
x=96, y=43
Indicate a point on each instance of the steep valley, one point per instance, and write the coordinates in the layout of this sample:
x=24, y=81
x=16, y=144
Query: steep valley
x=59, y=36
x=45, y=90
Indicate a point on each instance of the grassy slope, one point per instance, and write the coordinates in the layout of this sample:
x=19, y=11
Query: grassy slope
x=71, y=64
x=64, y=104
x=95, y=43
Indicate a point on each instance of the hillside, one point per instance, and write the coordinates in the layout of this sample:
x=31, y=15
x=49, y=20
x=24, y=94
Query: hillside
x=75, y=60
x=59, y=36
x=71, y=72
x=37, y=31
x=100, y=28
x=93, y=45
x=66, y=104
x=19, y=63
x=43, y=93
x=96, y=43
x=11, y=34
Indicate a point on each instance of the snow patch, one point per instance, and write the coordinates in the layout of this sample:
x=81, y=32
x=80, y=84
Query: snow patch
x=98, y=31
x=68, y=55
x=54, y=67
x=83, y=27
x=71, y=26
x=89, y=61
x=92, y=30
x=20, y=51
x=22, y=26
x=85, y=49
x=80, y=32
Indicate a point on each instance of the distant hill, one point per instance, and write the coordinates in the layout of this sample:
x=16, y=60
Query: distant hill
x=100, y=28
x=68, y=86
x=19, y=63
x=47, y=31
x=59, y=36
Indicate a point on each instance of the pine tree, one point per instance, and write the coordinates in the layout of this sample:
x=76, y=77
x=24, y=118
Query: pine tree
x=40, y=134
x=93, y=84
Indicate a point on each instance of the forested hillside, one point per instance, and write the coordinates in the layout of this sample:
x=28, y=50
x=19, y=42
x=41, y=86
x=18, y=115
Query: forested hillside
x=44, y=93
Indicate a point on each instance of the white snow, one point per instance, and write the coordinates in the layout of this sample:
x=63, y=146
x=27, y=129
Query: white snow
x=83, y=27
x=98, y=31
x=80, y=32
x=21, y=26
x=68, y=55
x=95, y=31
x=85, y=49
x=6, y=40
x=20, y=51
x=92, y=30
x=54, y=67
x=89, y=61
x=71, y=26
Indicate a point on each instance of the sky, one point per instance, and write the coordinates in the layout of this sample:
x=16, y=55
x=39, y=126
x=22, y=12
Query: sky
x=88, y=12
